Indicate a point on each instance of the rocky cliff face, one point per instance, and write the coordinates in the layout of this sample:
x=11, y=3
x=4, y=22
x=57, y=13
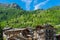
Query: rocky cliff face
x=13, y=5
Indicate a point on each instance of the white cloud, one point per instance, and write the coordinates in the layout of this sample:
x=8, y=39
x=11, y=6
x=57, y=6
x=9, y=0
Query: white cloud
x=27, y=2
x=40, y=4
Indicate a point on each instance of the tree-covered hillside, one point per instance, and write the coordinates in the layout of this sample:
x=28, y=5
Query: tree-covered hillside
x=13, y=17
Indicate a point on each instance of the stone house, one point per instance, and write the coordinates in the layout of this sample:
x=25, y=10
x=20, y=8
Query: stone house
x=45, y=32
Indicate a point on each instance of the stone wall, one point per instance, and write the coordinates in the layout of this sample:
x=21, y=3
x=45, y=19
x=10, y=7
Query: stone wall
x=45, y=32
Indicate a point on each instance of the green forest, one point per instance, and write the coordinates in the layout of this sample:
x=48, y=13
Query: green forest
x=19, y=18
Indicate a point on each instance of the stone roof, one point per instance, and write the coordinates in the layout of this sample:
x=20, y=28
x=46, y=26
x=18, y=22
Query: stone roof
x=14, y=30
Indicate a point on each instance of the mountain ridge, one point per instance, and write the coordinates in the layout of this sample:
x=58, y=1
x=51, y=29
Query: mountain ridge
x=12, y=5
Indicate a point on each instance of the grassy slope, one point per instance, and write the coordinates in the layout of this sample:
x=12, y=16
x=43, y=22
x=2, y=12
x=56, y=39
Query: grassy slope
x=19, y=18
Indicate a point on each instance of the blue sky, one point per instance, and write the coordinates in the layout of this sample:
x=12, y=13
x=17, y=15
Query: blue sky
x=33, y=4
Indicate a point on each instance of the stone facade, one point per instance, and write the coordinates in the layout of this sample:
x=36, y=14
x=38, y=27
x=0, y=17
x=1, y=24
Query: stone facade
x=45, y=32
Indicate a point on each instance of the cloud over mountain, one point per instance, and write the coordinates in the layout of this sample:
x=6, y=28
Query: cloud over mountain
x=27, y=2
x=40, y=4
